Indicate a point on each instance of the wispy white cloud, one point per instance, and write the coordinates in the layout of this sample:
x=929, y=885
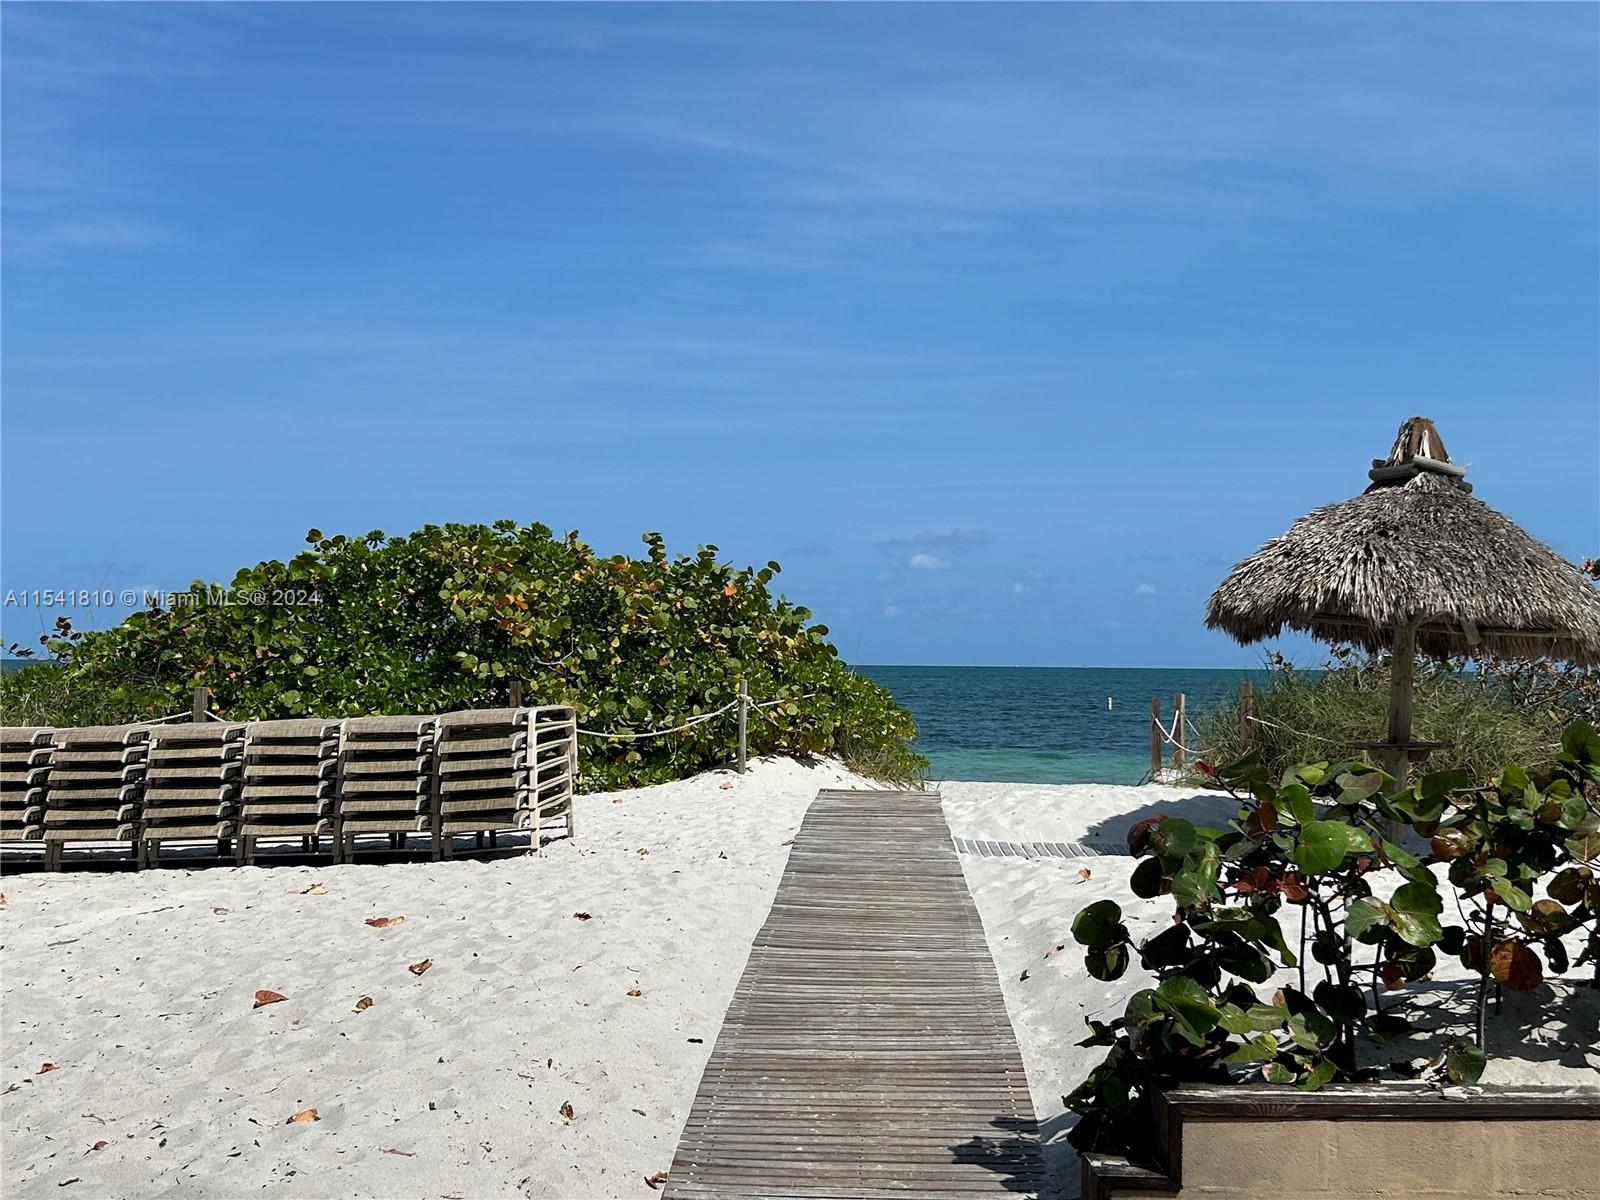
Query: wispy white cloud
x=928, y=562
x=1145, y=589
x=50, y=240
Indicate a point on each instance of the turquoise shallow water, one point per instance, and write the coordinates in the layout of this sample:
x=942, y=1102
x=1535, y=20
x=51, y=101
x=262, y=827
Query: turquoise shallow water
x=1045, y=724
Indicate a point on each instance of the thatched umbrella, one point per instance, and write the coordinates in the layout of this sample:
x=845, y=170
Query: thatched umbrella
x=1414, y=563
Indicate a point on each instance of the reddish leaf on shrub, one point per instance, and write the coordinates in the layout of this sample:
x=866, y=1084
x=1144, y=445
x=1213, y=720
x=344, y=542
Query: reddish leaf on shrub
x=1394, y=977
x=264, y=997
x=1293, y=889
x=1139, y=835
x=1514, y=965
x=1452, y=843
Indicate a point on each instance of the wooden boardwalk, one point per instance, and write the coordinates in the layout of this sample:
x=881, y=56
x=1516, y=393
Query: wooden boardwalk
x=867, y=1051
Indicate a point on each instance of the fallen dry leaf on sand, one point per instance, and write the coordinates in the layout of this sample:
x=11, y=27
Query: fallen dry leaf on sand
x=656, y=1180
x=65, y=1182
x=580, y=916
x=1084, y=873
x=265, y=997
x=316, y=889
x=363, y=1004
x=45, y=1068
x=100, y=1145
x=566, y=1110
x=385, y=922
x=2, y=899
x=1055, y=950
x=417, y=968
x=219, y=911
x=303, y=1116
x=642, y=852
x=635, y=992
x=401, y=1153
x=725, y=786
x=790, y=842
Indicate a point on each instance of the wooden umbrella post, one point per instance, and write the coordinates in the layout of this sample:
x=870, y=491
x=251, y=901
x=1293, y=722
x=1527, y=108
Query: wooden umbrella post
x=1402, y=696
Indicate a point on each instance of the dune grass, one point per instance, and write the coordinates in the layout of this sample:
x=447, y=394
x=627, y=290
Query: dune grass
x=1302, y=716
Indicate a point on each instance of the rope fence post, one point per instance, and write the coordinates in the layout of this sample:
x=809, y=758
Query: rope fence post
x=1177, y=731
x=202, y=705
x=1155, y=735
x=515, y=690
x=744, y=715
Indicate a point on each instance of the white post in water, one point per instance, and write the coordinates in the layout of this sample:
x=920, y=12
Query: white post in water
x=744, y=710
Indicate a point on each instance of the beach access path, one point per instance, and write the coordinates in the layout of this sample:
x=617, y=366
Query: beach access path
x=867, y=1051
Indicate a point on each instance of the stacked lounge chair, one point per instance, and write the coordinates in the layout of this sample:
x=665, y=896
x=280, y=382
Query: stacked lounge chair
x=191, y=786
x=92, y=787
x=554, y=758
x=288, y=783
x=506, y=768
x=24, y=759
x=385, y=779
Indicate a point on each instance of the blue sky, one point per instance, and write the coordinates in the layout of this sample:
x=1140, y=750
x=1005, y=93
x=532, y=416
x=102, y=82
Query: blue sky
x=1005, y=329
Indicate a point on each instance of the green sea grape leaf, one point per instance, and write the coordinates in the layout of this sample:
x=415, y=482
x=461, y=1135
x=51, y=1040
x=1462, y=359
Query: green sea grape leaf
x=1175, y=837
x=1259, y=1049
x=1099, y=925
x=1321, y=846
x=1512, y=896
x=1311, y=1030
x=1108, y=963
x=1320, y=1074
x=1464, y=1063
x=1296, y=800
x=1419, y=929
x=1417, y=897
x=1364, y=914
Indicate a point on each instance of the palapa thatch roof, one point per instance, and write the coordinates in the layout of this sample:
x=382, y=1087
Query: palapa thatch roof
x=1416, y=546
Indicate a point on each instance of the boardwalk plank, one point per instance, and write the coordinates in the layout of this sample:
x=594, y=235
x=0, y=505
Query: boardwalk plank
x=867, y=1051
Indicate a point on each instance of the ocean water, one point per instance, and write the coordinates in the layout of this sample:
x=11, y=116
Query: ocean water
x=1045, y=724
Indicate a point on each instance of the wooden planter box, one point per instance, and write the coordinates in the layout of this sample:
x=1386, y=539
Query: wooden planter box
x=1399, y=1140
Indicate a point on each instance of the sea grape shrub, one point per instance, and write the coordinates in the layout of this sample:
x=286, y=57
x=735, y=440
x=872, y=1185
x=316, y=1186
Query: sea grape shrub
x=1526, y=831
x=1309, y=845
x=446, y=617
x=1303, y=846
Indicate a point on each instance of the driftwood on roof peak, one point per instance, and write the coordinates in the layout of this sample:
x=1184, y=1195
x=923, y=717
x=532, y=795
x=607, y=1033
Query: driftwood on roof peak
x=1417, y=448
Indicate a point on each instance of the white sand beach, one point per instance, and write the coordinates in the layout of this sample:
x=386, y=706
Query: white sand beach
x=168, y=1083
